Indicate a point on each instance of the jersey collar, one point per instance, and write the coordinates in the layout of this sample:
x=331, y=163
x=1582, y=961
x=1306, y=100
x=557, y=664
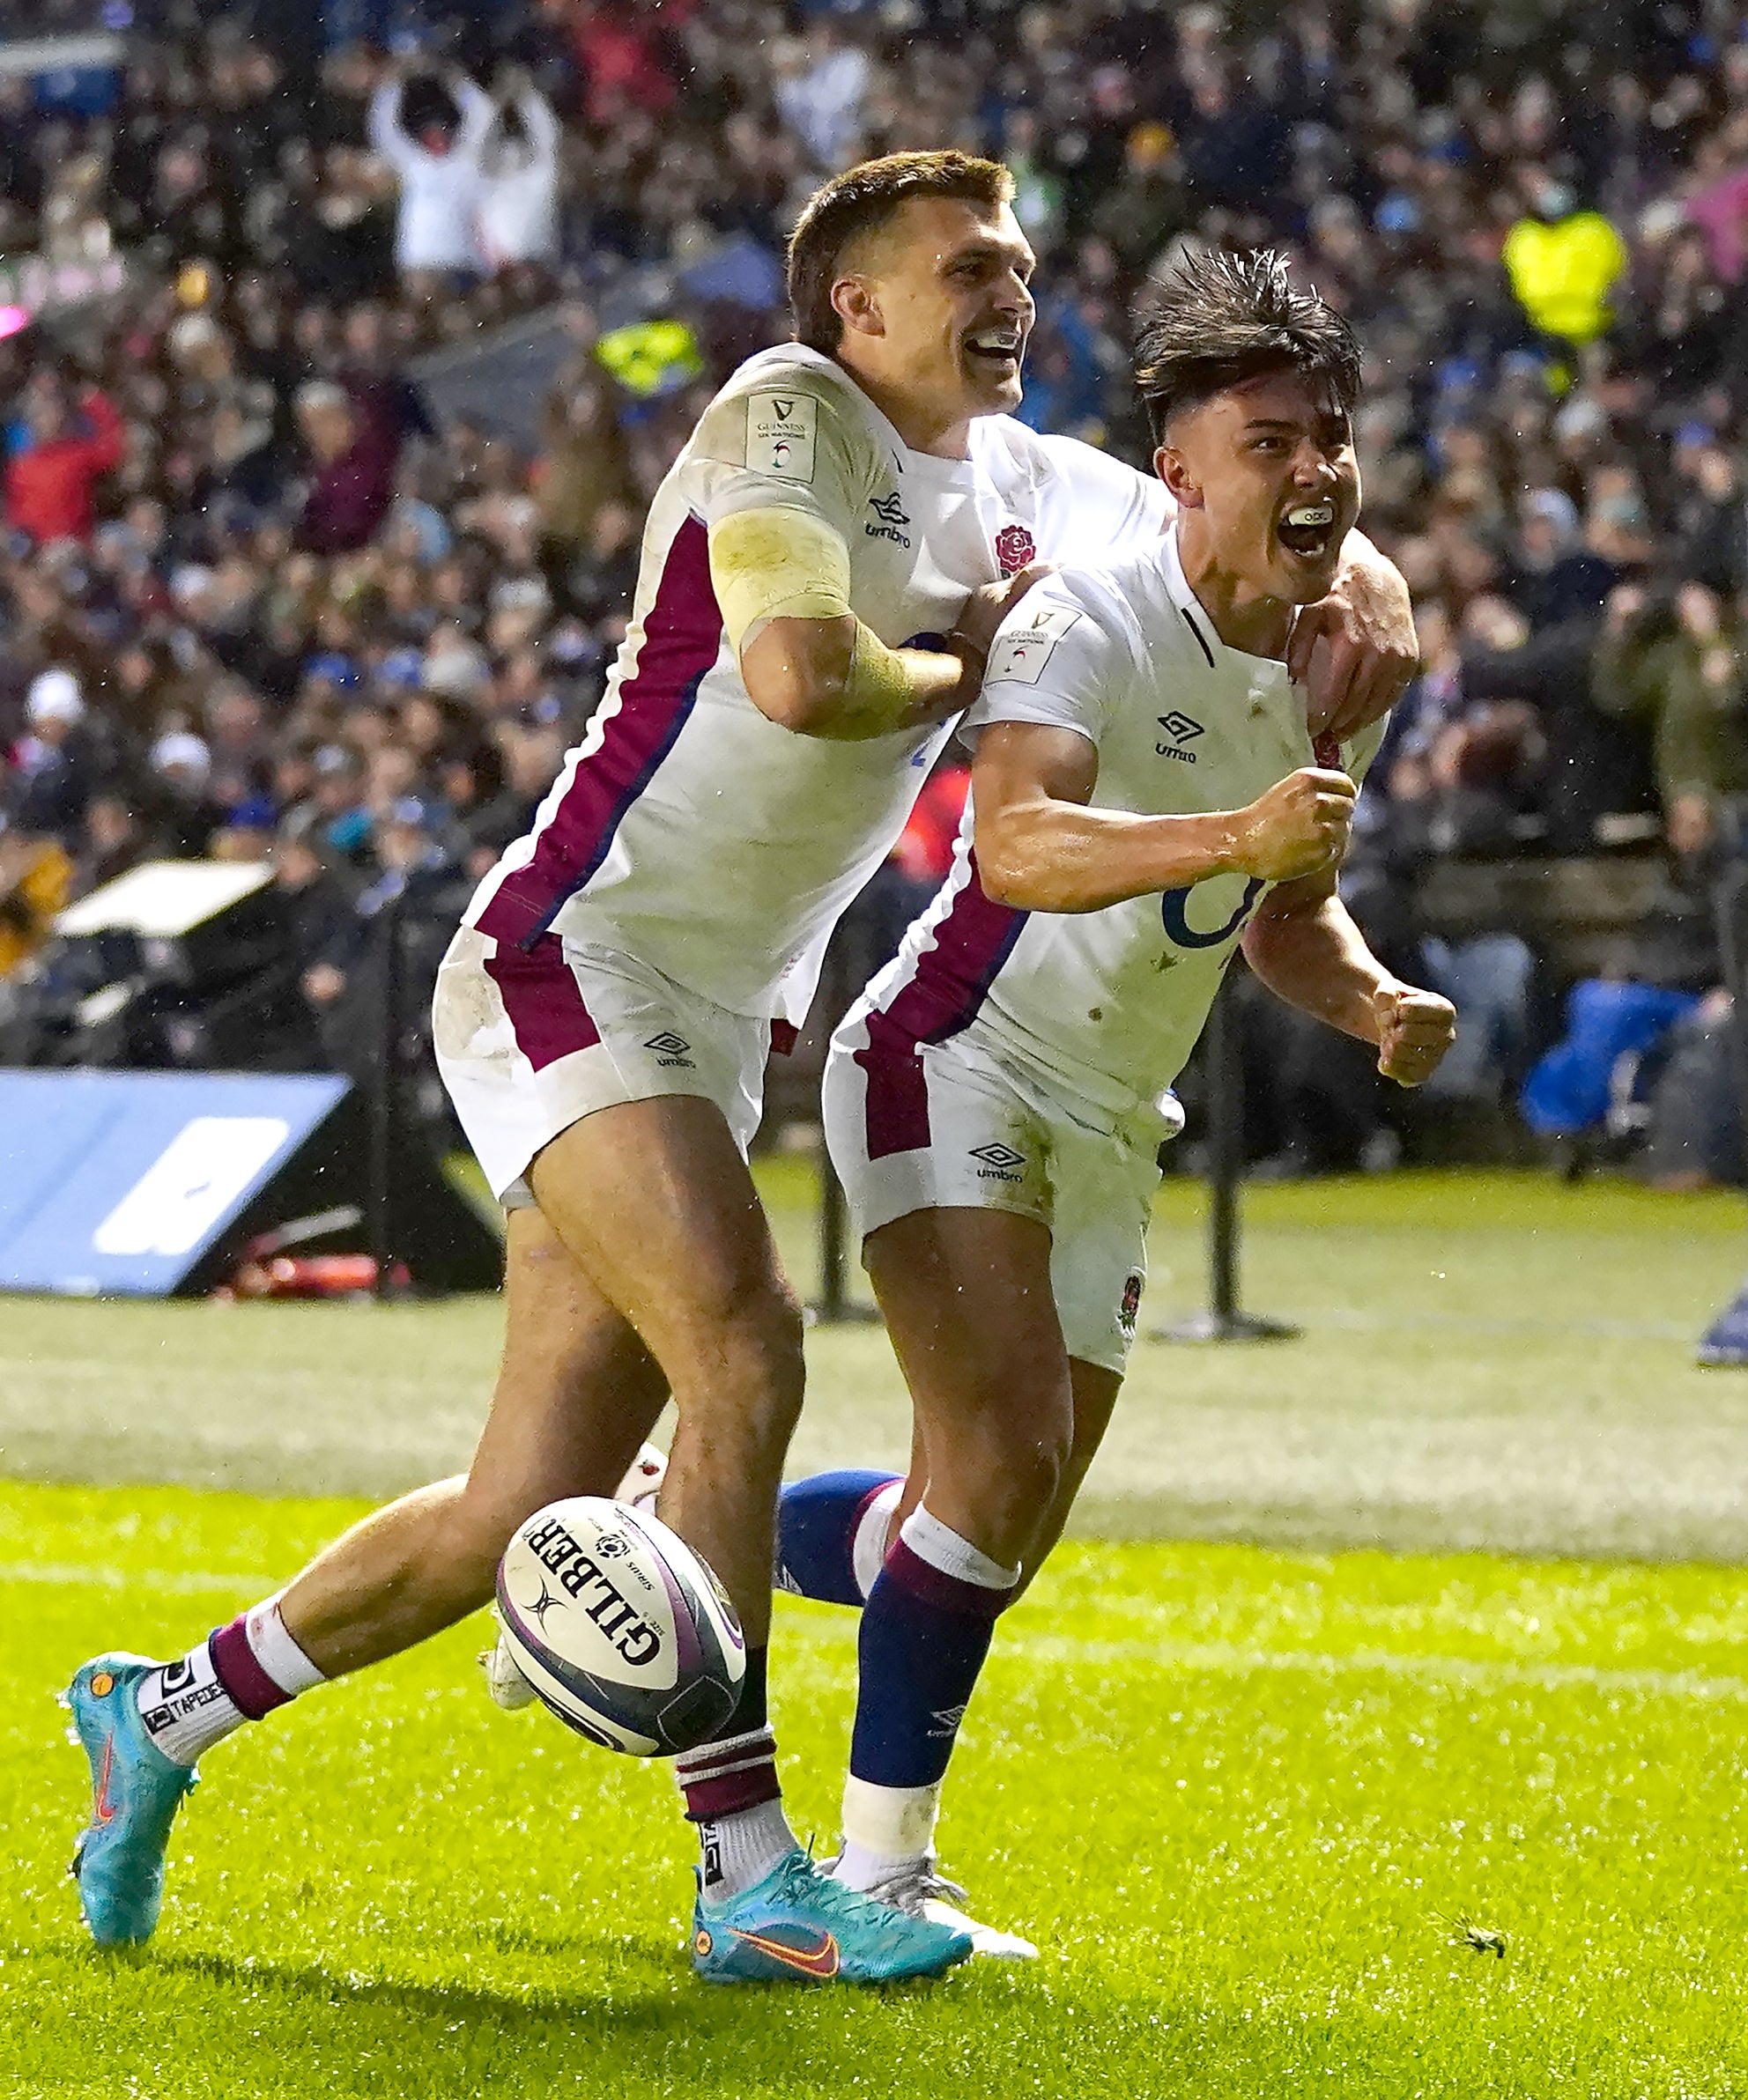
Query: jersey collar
x=1195, y=616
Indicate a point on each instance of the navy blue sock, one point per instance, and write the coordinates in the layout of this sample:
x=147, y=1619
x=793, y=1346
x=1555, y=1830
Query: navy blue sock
x=924, y=1636
x=817, y=1521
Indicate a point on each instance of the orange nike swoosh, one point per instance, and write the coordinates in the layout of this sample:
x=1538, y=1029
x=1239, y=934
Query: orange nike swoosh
x=821, y=1961
x=101, y=1812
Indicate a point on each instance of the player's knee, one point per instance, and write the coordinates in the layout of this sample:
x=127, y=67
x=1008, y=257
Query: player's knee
x=1019, y=1466
x=756, y=1320
x=745, y=1350
x=1033, y=1469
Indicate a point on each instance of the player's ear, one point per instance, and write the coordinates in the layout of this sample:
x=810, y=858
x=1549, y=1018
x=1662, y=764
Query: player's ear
x=853, y=302
x=1168, y=464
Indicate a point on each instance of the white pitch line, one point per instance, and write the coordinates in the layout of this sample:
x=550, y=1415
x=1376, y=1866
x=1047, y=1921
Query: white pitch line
x=64, y=1574
x=1211, y=1658
x=1220, y=1659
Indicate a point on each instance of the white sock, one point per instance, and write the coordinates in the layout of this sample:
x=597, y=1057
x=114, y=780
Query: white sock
x=185, y=1709
x=738, y=1850
x=943, y=1548
x=868, y=1549
x=276, y=1652
x=886, y=1828
x=185, y=1706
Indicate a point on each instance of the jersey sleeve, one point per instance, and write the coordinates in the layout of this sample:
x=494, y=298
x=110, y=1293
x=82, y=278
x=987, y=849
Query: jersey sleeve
x=1114, y=509
x=782, y=440
x=1056, y=662
x=1359, y=752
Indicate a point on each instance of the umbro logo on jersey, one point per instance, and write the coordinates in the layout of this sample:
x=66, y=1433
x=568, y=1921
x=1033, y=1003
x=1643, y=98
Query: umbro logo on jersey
x=1000, y=1162
x=891, y=512
x=1182, y=729
x=670, y=1049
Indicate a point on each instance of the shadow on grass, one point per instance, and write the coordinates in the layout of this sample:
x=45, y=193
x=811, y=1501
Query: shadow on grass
x=530, y=2009
x=641, y=2028
x=646, y=2025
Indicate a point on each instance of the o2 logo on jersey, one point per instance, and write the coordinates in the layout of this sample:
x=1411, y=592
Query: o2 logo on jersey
x=1174, y=911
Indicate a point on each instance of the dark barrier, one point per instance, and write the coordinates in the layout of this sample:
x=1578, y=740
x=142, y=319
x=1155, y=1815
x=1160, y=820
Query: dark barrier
x=1224, y=1321
x=1726, y=1341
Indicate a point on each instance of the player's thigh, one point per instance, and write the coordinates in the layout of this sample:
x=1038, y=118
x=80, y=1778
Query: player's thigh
x=945, y=1169
x=1095, y=1390
x=577, y=1390
x=654, y=1201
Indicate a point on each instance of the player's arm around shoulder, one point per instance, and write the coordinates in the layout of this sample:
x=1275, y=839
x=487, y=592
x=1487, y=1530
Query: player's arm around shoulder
x=783, y=465
x=1304, y=946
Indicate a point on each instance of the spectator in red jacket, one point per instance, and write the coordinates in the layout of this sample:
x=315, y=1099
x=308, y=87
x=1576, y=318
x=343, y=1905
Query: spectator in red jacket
x=52, y=478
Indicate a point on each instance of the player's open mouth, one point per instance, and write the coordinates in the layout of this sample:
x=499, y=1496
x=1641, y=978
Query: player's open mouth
x=998, y=349
x=1308, y=529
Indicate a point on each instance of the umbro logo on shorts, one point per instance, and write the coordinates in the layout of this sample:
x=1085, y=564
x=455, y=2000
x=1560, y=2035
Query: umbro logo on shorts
x=670, y=1049
x=999, y=1162
x=1182, y=729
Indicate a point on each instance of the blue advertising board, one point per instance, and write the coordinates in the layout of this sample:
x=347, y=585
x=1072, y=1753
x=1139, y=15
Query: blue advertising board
x=119, y=1182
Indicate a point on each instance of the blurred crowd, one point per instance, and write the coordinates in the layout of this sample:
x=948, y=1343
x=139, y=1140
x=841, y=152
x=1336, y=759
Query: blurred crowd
x=259, y=600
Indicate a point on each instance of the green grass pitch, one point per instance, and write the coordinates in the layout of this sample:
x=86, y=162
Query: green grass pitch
x=1243, y=1795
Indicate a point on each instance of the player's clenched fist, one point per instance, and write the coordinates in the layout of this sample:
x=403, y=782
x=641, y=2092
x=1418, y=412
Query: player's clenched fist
x=1415, y=1029
x=1299, y=826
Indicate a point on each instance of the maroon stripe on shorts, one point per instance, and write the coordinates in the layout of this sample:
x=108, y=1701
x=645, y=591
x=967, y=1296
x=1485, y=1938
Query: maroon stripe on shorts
x=950, y=982
x=896, y=1108
x=542, y=999
x=252, y=1691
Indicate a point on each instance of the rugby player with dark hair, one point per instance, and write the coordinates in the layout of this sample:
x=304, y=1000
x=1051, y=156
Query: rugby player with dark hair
x=1151, y=791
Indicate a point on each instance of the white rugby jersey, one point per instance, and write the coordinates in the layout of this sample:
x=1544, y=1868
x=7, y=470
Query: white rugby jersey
x=1108, y=1003
x=687, y=828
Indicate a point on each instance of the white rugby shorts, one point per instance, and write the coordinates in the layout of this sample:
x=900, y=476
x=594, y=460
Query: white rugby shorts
x=950, y=1126
x=530, y=1042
